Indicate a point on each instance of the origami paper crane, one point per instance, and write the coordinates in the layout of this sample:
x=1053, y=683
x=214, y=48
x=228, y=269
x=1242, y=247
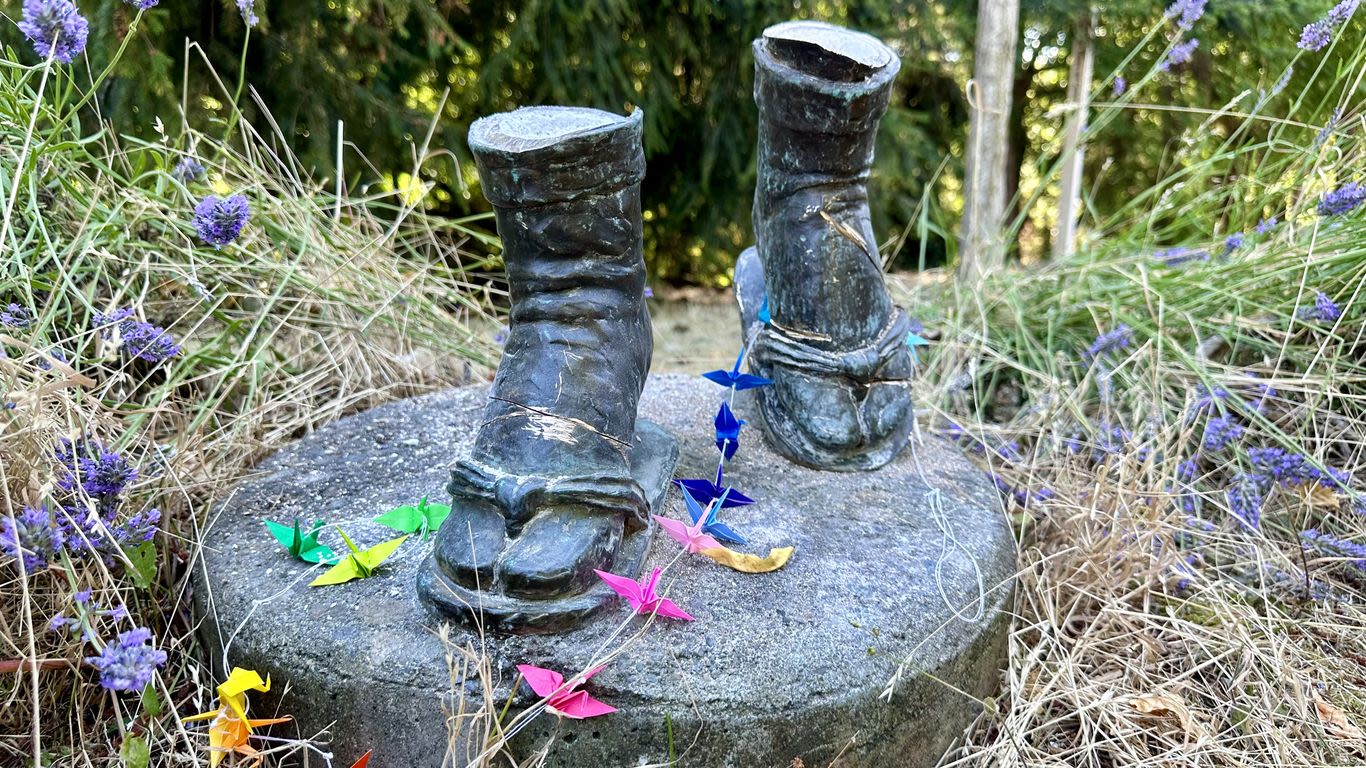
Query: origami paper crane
x=765, y=316
x=641, y=595
x=425, y=517
x=691, y=537
x=736, y=380
x=302, y=544
x=914, y=340
x=727, y=431
x=565, y=701
x=230, y=728
x=706, y=491
x=360, y=564
x=364, y=760
x=707, y=519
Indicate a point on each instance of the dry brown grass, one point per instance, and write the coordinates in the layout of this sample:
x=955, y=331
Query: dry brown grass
x=322, y=308
x=1111, y=664
x=1139, y=636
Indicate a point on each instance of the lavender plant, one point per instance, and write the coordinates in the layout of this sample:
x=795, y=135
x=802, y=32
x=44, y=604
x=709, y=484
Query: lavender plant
x=56, y=29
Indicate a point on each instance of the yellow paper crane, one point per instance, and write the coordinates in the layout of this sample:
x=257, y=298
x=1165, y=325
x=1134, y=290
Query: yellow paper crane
x=360, y=564
x=230, y=728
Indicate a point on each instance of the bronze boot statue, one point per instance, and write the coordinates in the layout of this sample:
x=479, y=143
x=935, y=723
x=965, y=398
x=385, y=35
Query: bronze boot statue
x=835, y=346
x=561, y=479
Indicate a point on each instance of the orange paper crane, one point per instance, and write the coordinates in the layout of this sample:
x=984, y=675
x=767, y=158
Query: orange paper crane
x=230, y=728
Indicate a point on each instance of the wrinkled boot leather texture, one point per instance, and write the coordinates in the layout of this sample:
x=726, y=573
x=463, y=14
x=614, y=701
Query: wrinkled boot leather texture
x=547, y=493
x=835, y=347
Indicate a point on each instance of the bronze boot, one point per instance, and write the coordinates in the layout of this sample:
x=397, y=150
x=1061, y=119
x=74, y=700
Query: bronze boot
x=835, y=347
x=561, y=479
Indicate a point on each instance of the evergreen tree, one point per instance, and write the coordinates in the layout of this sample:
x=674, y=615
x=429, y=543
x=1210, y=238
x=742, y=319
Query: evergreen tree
x=386, y=67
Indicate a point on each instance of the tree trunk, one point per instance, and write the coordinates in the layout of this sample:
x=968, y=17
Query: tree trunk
x=982, y=248
x=1018, y=134
x=1073, y=150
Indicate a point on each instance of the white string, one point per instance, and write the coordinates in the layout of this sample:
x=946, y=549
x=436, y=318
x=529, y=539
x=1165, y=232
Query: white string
x=947, y=537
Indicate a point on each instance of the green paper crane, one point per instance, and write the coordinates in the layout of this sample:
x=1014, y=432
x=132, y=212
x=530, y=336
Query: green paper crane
x=425, y=517
x=302, y=545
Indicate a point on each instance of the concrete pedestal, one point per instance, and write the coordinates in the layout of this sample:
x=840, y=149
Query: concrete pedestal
x=777, y=666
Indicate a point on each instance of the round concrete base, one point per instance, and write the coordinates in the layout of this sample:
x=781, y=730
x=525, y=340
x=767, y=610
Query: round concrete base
x=777, y=666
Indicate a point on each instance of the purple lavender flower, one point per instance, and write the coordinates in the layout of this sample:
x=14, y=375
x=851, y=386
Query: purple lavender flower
x=1342, y=200
x=1266, y=225
x=1233, y=242
x=142, y=5
x=1022, y=496
x=188, y=170
x=1120, y=85
x=219, y=221
x=1315, y=36
x=1186, y=12
x=96, y=470
x=1186, y=567
x=1175, y=257
x=15, y=316
x=1283, y=81
x=55, y=27
x=142, y=340
x=128, y=663
x=1335, y=547
x=95, y=473
x=1222, y=431
x=35, y=536
x=1205, y=398
x=248, y=10
x=1342, y=12
x=1108, y=343
x=1327, y=130
x=1186, y=470
x=89, y=534
x=55, y=354
x=500, y=336
x=1190, y=501
x=1203, y=526
x=138, y=528
x=148, y=342
x=1245, y=496
x=1294, y=468
x=1324, y=310
x=1108, y=440
x=105, y=323
x=1179, y=54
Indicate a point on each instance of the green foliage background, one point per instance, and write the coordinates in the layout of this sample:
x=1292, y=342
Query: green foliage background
x=386, y=67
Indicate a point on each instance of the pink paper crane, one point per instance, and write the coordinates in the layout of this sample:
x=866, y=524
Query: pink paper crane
x=690, y=536
x=641, y=595
x=565, y=701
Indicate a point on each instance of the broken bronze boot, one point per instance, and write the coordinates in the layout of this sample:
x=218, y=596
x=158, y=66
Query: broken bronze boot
x=835, y=346
x=562, y=478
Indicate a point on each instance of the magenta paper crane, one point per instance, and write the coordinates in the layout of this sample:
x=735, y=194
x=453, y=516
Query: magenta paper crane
x=641, y=595
x=565, y=701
